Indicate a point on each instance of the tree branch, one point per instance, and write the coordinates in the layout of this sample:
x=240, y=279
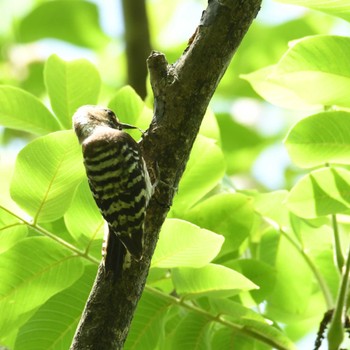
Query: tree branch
x=138, y=46
x=182, y=92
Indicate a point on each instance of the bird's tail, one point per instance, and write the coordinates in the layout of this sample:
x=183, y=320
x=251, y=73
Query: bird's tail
x=113, y=253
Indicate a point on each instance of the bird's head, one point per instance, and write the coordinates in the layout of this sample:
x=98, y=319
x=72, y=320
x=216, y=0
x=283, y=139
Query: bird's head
x=87, y=118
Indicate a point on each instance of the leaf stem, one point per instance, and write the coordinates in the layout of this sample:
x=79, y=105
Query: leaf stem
x=336, y=332
x=242, y=329
x=322, y=283
x=61, y=241
x=338, y=254
x=47, y=233
x=173, y=300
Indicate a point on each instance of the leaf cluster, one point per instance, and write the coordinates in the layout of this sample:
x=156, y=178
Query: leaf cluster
x=233, y=268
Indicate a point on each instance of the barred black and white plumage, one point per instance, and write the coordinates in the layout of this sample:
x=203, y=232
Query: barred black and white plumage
x=118, y=180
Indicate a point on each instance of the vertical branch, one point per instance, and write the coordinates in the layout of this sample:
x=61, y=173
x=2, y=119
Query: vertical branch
x=137, y=40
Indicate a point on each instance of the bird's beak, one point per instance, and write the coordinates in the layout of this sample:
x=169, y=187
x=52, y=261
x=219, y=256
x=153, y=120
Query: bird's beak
x=128, y=126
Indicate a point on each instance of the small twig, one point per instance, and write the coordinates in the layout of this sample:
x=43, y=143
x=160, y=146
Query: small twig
x=321, y=282
x=336, y=328
x=339, y=258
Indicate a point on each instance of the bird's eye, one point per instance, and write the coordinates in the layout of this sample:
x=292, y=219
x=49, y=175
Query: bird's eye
x=110, y=113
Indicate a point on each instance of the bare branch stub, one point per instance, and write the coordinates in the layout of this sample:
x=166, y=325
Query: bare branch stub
x=182, y=92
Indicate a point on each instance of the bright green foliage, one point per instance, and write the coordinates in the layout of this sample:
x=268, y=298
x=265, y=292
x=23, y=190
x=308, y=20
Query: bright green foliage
x=228, y=214
x=148, y=325
x=321, y=192
x=75, y=22
x=212, y=280
x=127, y=105
x=47, y=172
x=22, y=111
x=84, y=221
x=206, y=158
x=34, y=264
x=271, y=205
x=313, y=74
x=318, y=63
x=293, y=289
x=340, y=8
x=70, y=85
x=12, y=231
x=184, y=244
x=248, y=321
x=53, y=325
x=241, y=150
x=193, y=333
x=319, y=139
x=130, y=109
x=260, y=273
x=236, y=267
x=210, y=126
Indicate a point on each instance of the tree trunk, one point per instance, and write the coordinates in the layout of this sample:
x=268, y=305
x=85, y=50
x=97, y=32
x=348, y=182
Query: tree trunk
x=137, y=41
x=182, y=92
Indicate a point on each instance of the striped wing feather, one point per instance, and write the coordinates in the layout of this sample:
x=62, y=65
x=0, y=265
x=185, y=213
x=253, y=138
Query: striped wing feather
x=117, y=181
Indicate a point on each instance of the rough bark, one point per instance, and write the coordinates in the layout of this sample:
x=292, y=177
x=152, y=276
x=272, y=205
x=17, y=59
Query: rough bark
x=182, y=92
x=137, y=41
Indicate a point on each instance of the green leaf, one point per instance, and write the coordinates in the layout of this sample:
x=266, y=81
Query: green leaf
x=272, y=205
x=304, y=76
x=321, y=192
x=192, y=333
x=339, y=8
x=258, y=272
x=10, y=233
x=130, y=109
x=306, y=69
x=210, y=127
x=51, y=327
x=248, y=339
x=213, y=280
x=84, y=221
x=23, y=111
x=229, y=214
x=147, y=327
x=184, y=244
x=266, y=333
x=241, y=337
x=206, y=158
x=274, y=90
x=70, y=85
x=74, y=21
x=240, y=144
x=294, y=284
x=160, y=279
x=319, y=139
x=233, y=309
x=8, y=208
x=46, y=174
x=317, y=238
x=31, y=272
x=268, y=245
x=127, y=105
x=225, y=338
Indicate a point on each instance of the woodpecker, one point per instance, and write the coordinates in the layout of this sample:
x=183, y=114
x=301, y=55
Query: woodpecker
x=118, y=179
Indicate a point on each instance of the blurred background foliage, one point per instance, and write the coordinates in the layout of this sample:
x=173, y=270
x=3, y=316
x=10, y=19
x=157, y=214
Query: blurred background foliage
x=251, y=130
x=108, y=33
